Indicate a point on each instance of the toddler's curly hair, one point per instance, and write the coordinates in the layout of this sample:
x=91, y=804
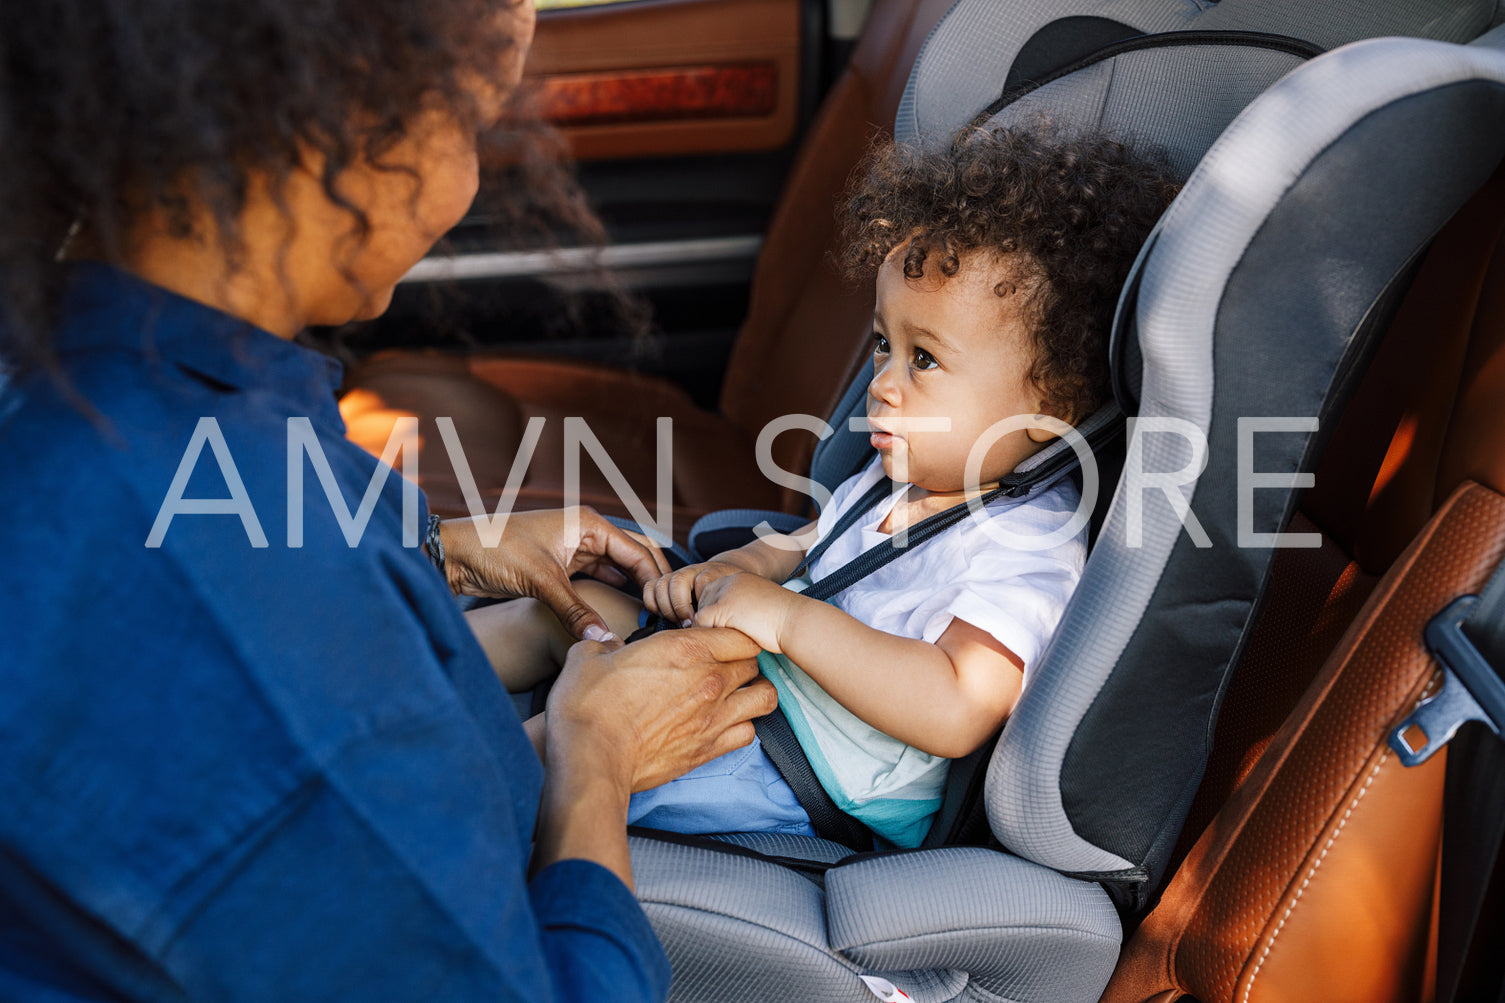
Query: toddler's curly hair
x=1071, y=210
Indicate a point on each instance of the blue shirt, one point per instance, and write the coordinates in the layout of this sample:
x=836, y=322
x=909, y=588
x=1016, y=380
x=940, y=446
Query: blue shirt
x=253, y=772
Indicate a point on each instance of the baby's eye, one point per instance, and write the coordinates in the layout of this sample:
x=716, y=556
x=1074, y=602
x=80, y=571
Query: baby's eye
x=880, y=344
x=923, y=359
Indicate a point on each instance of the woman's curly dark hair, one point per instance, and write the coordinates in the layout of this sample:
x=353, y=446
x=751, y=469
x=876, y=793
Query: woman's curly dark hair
x=1074, y=209
x=111, y=109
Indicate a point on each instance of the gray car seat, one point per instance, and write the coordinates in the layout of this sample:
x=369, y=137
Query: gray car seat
x=1260, y=294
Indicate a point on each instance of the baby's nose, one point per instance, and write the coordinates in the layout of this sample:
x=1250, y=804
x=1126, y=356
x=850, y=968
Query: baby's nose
x=883, y=387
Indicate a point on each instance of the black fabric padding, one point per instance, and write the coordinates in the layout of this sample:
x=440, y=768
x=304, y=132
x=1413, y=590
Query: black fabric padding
x=963, y=819
x=1285, y=345
x=846, y=450
x=1061, y=43
x=1139, y=42
x=1471, y=882
x=1470, y=965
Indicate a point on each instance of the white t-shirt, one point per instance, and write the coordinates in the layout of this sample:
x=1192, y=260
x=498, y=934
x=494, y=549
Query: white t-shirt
x=1015, y=592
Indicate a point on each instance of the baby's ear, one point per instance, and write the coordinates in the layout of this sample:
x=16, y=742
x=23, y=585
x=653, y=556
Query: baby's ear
x=1042, y=428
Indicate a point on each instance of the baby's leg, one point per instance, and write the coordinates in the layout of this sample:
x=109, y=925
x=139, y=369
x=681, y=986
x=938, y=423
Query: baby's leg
x=525, y=641
x=521, y=638
x=617, y=608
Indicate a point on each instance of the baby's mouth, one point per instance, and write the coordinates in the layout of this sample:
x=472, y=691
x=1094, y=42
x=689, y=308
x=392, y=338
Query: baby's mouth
x=881, y=438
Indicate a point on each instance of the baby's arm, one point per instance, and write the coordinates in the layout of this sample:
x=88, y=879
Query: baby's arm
x=673, y=596
x=945, y=698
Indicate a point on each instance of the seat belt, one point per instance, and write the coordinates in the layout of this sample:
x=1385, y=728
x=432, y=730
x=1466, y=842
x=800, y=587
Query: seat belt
x=1468, y=640
x=773, y=730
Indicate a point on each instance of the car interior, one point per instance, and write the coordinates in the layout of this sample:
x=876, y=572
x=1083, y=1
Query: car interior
x=1227, y=779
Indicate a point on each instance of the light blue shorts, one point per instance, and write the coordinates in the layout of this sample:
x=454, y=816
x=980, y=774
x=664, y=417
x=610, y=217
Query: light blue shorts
x=741, y=791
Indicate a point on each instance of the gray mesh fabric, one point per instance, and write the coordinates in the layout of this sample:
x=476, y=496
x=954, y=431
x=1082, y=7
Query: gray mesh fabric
x=965, y=61
x=1117, y=95
x=844, y=451
x=779, y=844
x=1338, y=22
x=953, y=924
x=1007, y=922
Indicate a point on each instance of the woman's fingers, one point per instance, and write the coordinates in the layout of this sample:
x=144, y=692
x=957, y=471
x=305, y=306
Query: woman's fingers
x=753, y=700
x=583, y=622
x=608, y=573
x=660, y=560
x=733, y=650
x=639, y=558
x=735, y=737
x=665, y=704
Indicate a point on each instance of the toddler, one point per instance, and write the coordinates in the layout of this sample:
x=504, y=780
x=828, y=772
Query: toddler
x=998, y=263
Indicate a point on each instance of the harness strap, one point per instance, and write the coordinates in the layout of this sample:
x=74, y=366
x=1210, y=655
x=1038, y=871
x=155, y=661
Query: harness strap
x=873, y=558
x=783, y=749
x=874, y=495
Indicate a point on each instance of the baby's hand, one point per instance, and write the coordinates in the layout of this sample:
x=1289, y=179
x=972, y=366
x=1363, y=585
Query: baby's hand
x=673, y=595
x=755, y=606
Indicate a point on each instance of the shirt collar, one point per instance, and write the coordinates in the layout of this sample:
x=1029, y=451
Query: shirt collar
x=106, y=307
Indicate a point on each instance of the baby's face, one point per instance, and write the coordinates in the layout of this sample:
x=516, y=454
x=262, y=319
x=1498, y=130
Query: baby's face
x=949, y=348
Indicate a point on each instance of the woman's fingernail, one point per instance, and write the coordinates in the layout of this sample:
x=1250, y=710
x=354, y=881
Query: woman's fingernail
x=684, y=623
x=595, y=632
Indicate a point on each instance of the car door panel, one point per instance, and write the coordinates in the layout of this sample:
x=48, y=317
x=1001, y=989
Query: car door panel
x=671, y=77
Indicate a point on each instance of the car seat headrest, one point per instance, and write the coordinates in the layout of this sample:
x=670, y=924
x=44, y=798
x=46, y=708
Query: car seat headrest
x=1172, y=74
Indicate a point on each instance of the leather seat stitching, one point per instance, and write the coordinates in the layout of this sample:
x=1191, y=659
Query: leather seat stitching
x=1249, y=988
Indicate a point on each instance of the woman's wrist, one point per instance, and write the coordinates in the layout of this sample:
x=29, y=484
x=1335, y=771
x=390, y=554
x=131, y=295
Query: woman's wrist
x=583, y=812
x=456, y=538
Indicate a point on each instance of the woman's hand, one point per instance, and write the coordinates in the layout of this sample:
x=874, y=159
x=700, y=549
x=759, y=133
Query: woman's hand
x=634, y=717
x=537, y=554
x=673, y=596
x=756, y=606
x=663, y=705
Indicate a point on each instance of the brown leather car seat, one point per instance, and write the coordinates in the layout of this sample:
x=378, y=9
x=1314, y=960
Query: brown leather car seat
x=799, y=307
x=1311, y=852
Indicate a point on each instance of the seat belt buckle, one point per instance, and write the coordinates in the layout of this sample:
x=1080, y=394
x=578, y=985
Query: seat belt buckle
x=1471, y=689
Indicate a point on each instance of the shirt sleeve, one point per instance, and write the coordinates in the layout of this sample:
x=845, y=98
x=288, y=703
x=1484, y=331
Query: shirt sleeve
x=350, y=891
x=1020, y=612
x=1015, y=593
x=595, y=935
